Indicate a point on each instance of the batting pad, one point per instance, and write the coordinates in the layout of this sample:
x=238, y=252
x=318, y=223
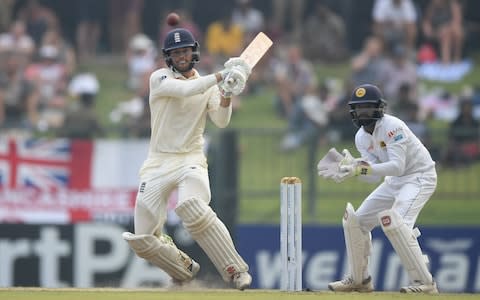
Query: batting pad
x=163, y=253
x=404, y=241
x=358, y=244
x=212, y=235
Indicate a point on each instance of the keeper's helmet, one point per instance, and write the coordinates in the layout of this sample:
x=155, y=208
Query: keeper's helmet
x=366, y=105
x=180, y=38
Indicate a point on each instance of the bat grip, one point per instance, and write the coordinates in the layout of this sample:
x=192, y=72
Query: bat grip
x=229, y=80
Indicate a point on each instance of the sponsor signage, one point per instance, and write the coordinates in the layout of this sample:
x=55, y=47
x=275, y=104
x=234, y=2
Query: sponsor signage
x=95, y=255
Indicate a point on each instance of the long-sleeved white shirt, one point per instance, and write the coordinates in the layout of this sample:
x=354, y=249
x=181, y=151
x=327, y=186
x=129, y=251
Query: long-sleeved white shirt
x=392, y=149
x=178, y=109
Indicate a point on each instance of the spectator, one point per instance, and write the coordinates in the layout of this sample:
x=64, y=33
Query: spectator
x=88, y=27
x=50, y=78
x=293, y=77
x=66, y=53
x=141, y=54
x=308, y=119
x=81, y=120
x=18, y=97
x=125, y=21
x=38, y=19
x=396, y=22
x=464, y=137
x=250, y=19
x=287, y=17
x=396, y=71
x=326, y=35
x=224, y=39
x=443, y=23
x=18, y=41
x=366, y=65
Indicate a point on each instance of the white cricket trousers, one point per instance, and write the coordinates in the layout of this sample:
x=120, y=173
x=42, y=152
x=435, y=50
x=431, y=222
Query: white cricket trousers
x=406, y=195
x=154, y=191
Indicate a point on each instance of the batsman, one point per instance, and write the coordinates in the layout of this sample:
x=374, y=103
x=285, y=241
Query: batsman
x=388, y=150
x=180, y=101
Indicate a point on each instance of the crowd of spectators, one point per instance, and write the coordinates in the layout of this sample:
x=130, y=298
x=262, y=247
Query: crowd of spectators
x=45, y=89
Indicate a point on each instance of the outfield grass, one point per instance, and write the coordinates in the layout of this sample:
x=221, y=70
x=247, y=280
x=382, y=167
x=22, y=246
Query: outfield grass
x=262, y=166
x=121, y=294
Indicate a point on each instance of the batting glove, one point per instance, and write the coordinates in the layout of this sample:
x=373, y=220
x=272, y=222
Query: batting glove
x=238, y=62
x=234, y=82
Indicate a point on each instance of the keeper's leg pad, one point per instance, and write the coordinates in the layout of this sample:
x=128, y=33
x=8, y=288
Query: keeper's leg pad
x=404, y=241
x=162, y=252
x=358, y=245
x=212, y=236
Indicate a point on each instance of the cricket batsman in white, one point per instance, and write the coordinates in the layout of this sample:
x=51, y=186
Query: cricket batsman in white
x=180, y=100
x=388, y=150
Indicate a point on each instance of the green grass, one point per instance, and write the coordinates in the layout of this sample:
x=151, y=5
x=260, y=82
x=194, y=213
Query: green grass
x=262, y=164
x=120, y=294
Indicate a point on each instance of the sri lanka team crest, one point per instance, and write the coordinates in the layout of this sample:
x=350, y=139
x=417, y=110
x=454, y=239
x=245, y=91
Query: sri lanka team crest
x=360, y=92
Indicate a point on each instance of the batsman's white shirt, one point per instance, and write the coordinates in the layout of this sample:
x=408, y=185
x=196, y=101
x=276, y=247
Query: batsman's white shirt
x=176, y=160
x=410, y=177
x=179, y=108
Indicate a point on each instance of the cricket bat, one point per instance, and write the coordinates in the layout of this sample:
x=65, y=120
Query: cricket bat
x=256, y=50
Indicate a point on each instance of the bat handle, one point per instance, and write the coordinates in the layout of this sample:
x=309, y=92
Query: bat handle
x=229, y=80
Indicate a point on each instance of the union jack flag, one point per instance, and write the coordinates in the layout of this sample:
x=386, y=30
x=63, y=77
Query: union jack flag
x=44, y=164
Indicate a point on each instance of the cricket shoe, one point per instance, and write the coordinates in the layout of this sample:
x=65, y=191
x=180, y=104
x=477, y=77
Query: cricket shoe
x=420, y=288
x=242, y=280
x=348, y=285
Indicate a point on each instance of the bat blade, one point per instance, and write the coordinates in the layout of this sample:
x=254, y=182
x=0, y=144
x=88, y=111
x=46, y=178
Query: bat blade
x=256, y=49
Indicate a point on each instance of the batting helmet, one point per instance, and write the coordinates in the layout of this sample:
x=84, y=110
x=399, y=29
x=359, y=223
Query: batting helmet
x=366, y=94
x=180, y=38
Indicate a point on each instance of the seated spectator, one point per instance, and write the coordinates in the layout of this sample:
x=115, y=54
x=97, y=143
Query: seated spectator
x=443, y=23
x=326, y=35
x=340, y=127
x=81, y=120
x=66, y=53
x=224, y=39
x=398, y=70
x=38, y=19
x=308, y=119
x=293, y=76
x=141, y=54
x=367, y=64
x=17, y=40
x=395, y=21
x=50, y=78
x=464, y=137
x=18, y=97
x=249, y=18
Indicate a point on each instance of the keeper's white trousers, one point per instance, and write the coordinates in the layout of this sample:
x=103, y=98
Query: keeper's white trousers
x=406, y=195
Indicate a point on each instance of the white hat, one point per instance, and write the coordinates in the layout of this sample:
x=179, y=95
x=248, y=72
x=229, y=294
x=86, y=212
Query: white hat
x=48, y=51
x=85, y=83
x=140, y=42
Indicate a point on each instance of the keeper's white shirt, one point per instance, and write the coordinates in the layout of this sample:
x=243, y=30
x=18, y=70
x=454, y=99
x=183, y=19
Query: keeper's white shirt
x=179, y=108
x=393, y=149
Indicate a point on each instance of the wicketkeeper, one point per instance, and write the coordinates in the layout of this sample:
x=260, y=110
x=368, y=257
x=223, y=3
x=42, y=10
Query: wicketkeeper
x=180, y=101
x=388, y=149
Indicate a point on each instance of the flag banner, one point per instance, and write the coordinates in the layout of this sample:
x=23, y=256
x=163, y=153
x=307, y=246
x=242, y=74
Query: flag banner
x=62, y=181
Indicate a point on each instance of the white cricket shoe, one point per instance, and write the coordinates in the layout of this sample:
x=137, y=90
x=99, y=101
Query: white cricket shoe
x=348, y=285
x=420, y=288
x=242, y=280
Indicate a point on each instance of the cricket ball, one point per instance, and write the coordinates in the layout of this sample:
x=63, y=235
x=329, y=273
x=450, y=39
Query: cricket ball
x=173, y=19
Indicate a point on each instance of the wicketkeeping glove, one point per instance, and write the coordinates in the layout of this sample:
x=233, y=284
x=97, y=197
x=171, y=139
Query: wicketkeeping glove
x=358, y=167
